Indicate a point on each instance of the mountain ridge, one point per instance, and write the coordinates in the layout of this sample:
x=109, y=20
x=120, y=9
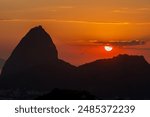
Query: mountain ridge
x=2, y=61
x=121, y=58
x=124, y=76
x=36, y=47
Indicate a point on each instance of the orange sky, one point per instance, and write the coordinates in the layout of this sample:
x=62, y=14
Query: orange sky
x=76, y=25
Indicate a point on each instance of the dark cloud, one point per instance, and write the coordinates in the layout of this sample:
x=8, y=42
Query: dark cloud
x=121, y=43
x=133, y=48
x=1, y=19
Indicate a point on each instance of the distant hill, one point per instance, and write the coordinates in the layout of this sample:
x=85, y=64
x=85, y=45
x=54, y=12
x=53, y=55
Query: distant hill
x=122, y=76
x=34, y=65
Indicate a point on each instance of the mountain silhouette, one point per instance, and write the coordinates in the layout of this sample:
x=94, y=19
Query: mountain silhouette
x=34, y=65
x=34, y=49
x=122, y=76
x=2, y=61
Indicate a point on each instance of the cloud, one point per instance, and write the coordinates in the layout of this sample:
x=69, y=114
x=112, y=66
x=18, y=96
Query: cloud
x=12, y=20
x=67, y=21
x=76, y=21
x=133, y=48
x=143, y=9
x=121, y=10
x=121, y=43
x=65, y=7
x=133, y=10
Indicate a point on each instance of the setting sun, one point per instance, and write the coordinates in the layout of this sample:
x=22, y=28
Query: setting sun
x=108, y=48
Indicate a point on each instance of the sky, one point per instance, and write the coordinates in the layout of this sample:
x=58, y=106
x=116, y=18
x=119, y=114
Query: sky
x=79, y=28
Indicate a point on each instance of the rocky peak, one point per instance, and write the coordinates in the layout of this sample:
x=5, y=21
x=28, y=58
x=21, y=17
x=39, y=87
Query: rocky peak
x=34, y=49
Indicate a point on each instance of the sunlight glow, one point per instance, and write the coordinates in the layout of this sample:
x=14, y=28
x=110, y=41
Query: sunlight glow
x=108, y=48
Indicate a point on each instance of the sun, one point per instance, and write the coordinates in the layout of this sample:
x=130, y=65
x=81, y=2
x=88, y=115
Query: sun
x=108, y=48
